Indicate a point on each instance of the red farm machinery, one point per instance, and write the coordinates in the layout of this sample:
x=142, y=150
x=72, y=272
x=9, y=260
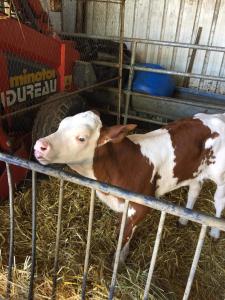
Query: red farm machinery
x=34, y=64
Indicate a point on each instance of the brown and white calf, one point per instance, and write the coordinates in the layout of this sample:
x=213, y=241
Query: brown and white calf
x=183, y=153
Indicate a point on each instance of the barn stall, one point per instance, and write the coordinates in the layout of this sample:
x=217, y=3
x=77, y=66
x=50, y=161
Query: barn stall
x=119, y=44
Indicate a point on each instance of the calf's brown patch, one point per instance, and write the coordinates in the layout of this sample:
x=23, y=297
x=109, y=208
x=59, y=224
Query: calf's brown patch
x=188, y=139
x=123, y=165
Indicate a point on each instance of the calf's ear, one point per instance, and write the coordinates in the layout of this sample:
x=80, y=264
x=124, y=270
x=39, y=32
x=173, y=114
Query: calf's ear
x=115, y=134
x=96, y=112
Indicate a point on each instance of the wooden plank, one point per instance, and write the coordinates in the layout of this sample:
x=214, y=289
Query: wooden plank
x=193, y=55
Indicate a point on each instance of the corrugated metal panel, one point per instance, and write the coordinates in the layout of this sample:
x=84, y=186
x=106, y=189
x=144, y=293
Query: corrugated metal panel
x=170, y=20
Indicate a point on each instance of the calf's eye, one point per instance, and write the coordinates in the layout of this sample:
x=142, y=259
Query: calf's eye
x=81, y=139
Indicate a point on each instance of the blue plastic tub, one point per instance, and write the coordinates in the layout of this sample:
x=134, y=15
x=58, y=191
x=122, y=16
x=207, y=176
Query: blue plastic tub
x=153, y=83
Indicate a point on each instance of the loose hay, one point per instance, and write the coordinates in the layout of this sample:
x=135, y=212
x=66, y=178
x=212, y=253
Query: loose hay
x=173, y=261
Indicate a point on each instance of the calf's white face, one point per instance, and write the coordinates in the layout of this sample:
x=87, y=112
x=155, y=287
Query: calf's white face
x=74, y=142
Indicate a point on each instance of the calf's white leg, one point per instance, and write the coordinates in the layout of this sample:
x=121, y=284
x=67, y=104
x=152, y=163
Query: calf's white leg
x=219, y=202
x=193, y=193
x=136, y=213
x=125, y=250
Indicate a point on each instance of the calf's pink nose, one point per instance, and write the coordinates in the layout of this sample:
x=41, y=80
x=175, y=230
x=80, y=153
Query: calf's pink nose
x=42, y=146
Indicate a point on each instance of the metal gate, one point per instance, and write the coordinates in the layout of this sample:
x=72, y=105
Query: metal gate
x=163, y=206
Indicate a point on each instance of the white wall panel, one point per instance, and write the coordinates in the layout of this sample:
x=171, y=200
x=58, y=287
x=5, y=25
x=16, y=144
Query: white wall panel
x=169, y=20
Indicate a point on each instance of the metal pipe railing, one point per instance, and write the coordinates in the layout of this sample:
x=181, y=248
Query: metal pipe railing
x=195, y=261
x=146, y=41
x=160, y=71
x=154, y=254
x=11, y=232
x=57, y=242
x=163, y=206
x=130, y=80
x=33, y=255
x=118, y=250
x=148, y=201
x=58, y=97
x=120, y=69
x=88, y=246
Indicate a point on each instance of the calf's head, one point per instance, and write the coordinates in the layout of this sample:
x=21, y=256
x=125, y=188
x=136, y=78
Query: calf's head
x=76, y=139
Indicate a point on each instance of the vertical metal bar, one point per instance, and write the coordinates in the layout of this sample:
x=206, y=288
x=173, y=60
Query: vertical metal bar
x=11, y=237
x=87, y=254
x=59, y=221
x=131, y=75
x=195, y=261
x=33, y=255
x=210, y=40
x=154, y=254
x=222, y=67
x=122, y=13
x=118, y=249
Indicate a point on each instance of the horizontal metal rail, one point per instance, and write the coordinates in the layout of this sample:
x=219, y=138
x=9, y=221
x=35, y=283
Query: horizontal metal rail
x=58, y=97
x=149, y=201
x=160, y=71
x=145, y=41
x=163, y=206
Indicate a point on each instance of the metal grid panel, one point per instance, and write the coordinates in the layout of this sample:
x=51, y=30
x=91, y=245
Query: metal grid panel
x=163, y=206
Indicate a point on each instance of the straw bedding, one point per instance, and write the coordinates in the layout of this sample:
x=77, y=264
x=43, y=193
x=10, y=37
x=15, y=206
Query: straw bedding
x=173, y=261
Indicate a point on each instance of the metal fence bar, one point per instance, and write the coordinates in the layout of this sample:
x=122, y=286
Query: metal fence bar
x=154, y=254
x=56, y=260
x=147, y=41
x=118, y=250
x=132, y=117
x=222, y=67
x=161, y=71
x=58, y=97
x=33, y=255
x=11, y=233
x=148, y=201
x=88, y=246
x=120, y=73
x=130, y=80
x=195, y=261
